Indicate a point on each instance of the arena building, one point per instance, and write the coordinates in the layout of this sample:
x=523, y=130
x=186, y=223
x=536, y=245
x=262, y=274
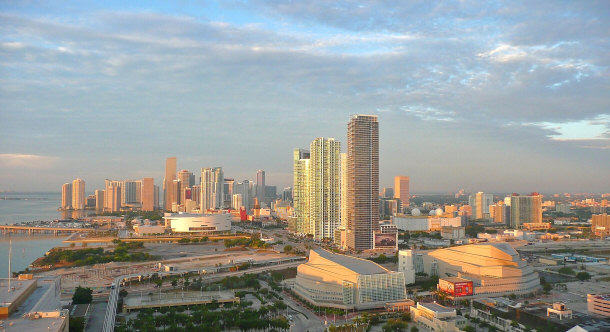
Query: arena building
x=494, y=268
x=198, y=223
x=345, y=282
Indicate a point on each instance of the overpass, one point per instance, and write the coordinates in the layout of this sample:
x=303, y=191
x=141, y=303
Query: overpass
x=35, y=229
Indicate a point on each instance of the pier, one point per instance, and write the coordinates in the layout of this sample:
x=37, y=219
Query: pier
x=6, y=229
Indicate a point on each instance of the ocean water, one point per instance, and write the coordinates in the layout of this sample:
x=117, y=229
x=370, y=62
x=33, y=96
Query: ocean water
x=23, y=208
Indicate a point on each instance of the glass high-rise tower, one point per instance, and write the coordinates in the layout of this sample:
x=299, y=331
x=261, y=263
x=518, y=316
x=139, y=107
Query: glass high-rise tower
x=362, y=181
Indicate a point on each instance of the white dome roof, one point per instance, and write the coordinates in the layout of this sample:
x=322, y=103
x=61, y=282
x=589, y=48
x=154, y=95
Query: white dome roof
x=415, y=212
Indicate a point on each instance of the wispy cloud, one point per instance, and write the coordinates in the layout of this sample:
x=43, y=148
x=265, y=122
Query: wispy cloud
x=26, y=161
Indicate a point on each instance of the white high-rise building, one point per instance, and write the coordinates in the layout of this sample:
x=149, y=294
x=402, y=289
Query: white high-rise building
x=343, y=171
x=236, y=201
x=300, y=191
x=219, y=182
x=66, y=196
x=324, y=187
x=78, y=194
x=406, y=265
x=244, y=189
x=207, y=190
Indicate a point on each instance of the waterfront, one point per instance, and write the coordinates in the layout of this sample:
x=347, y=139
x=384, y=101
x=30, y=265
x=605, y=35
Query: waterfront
x=23, y=207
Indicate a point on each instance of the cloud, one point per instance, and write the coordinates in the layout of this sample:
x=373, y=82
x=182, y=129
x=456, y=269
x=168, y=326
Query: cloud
x=26, y=161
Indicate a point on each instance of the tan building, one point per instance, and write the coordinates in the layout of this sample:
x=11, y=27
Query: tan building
x=401, y=189
x=346, y=282
x=494, y=268
x=170, y=176
x=99, y=200
x=112, y=196
x=66, y=196
x=148, y=194
x=78, y=194
x=599, y=304
x=436, y=317
x=600, y=224
x=525, y=209
x=363, y=181
x=344, y=190
x=497, y=212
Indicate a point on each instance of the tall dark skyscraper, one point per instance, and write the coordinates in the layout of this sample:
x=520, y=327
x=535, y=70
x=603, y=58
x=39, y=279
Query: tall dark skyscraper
x=362, y=181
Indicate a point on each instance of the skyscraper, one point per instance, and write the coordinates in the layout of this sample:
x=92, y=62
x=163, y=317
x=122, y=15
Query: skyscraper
x=525, y=209
x=300, y=190
x=363, y=181
x=185, y=182
x=401, y=189
x=480, y=203
x=78, y=194
x=344, y=190
x=260, y=186
x=148, y=194
x=176, y=189
x=219, y=185
x=243, y=189
x=129, y=192
x=99, y=200
x=66, y=196
x=324, y=187
x=170, y=176
x=112, y=195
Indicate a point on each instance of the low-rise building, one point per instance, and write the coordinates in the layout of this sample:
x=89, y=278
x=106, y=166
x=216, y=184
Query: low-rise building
x=346, y=282
x=453, y=233
x=437, y=317
x=599, y=304
x=198, y=223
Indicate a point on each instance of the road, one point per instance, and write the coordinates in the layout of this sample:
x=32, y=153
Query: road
x=96, y=316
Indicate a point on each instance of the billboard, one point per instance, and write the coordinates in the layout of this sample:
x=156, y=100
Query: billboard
x=456, y=288
x=385, y=240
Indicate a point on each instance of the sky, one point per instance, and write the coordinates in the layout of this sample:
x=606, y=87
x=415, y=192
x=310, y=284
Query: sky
x=482, y=95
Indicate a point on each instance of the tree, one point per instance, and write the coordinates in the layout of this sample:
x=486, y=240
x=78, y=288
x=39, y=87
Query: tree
x=287, y=248
x=82, y=295
x=582, y=276
x=566, y=270
x=174, y=283
x=546, y=287
x=468, y=328
x=414, y=329
x=77, y=324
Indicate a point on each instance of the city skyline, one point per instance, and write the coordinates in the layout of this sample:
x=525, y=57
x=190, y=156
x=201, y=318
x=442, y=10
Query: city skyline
x=493, y=98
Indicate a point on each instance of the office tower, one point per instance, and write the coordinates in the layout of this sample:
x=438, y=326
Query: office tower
x=138, y=192
x=207, y=190
x=344, y=190
x=112, y=195
x=219, y=183
x=497, y=212
x=148, y=194
x=525, y=209
x=170, y=176
x=401, y=189
x=300, y=191
x=185, y=179
x=228, y=192
x=287, y=194
x=78, y=194
x=244, y=189
x=196, y=194
x=236, y=201
x=260, y=186
x=176, y=189
x=387, y=192
x=363, y=181
x=324, y=187
x=480, y=203
x=156, y=200
x=66, y=196
x=99, y=200
x=129, y=192
x=406, y=265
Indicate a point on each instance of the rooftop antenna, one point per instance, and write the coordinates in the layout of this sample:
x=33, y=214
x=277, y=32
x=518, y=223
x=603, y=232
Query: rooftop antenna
x=9, y=262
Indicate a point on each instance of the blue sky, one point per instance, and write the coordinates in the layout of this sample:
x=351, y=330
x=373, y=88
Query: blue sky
x=493, y=96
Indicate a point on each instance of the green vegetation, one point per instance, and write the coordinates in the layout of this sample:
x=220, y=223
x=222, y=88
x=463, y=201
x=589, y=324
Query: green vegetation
x=251, y=243
x=566, y=270
x=82, y=295
x=92, y=256
x=394, y=325
x=583, y=276
x=287, y=248
x=129, y=215
x=77, y=324
x=207, y=318
x=384, y=259
x=473, y=230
